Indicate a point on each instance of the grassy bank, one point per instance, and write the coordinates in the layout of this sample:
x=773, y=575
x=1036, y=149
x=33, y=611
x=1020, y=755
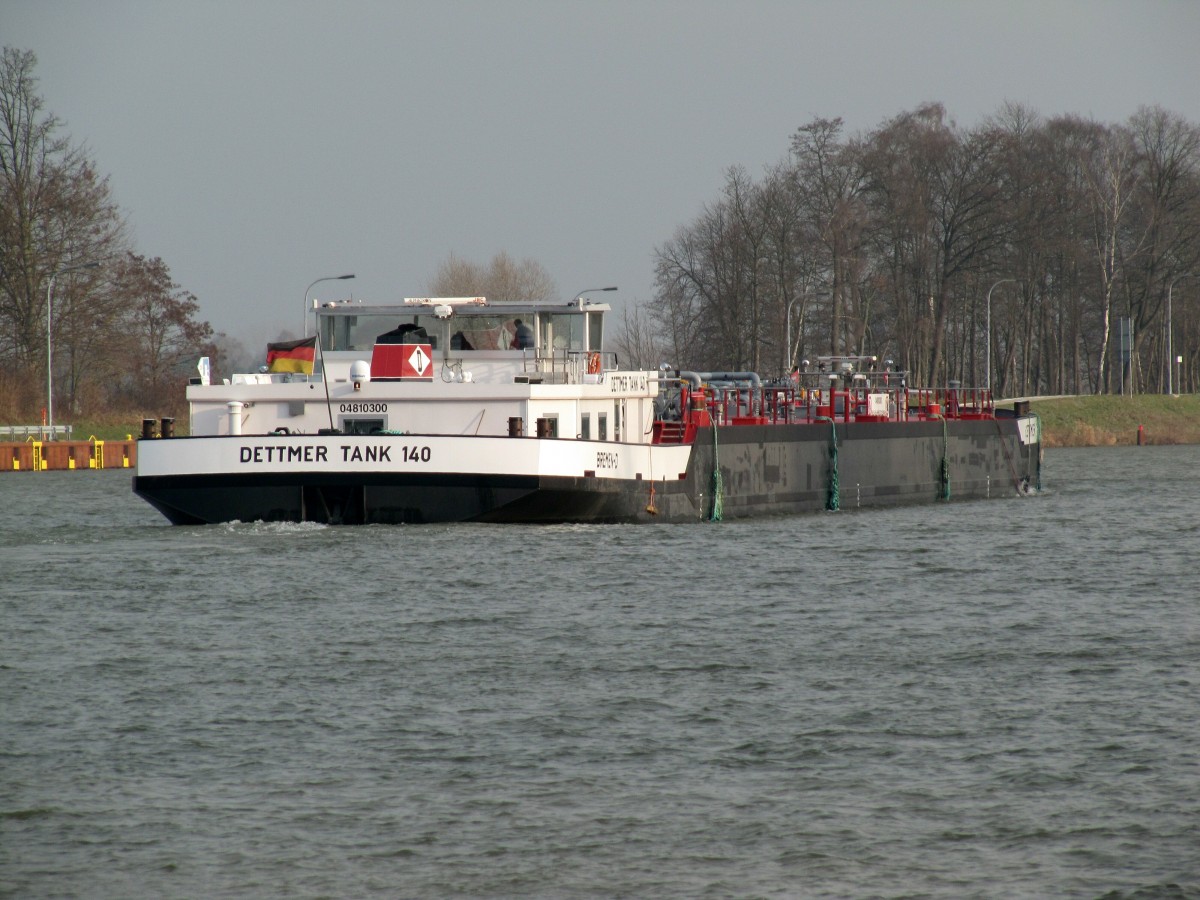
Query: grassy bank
x=1107, y=421
x=115, y=428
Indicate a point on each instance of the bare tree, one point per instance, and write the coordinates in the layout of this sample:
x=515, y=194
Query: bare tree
x=791, y=265
x=232, y=356
x=502, y=279
x=891, y=242
x=163, y=337
x=1111, y=175
x=1167, y=209
x=832, y=186
x=635, y=342
x=55, y=210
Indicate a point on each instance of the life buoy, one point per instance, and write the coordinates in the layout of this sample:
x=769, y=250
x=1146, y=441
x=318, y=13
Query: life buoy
x=593, y=364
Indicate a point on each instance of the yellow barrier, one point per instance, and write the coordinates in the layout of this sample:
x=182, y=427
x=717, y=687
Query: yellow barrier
x=31, y=455
x=96, y=459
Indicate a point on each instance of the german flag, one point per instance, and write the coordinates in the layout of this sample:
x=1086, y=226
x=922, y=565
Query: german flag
x=292, y=356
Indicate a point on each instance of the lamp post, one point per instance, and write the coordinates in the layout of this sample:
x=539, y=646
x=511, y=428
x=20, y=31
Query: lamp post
x=1170, y=347
x=50, y=339
x=579, y=300
x=304, y=321
x=988, y=353
x=579, y=296
x=787, y=366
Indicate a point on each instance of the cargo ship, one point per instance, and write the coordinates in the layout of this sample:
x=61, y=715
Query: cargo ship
x=460, y=410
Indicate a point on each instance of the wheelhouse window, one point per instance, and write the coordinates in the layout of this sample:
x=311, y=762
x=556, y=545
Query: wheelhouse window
x=561, y=332
x=585, y=426
x=362, y=426
x=602, y=426
x=595, y=331
x=363, y=332
x=487, y=332
x=350, y=327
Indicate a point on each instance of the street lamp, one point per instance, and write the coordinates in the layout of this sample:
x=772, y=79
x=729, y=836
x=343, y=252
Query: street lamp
x=50, y=339
x=787, y=368
x=304, y=321
x=579, y=296
x=1170, y=348
x=988, y=354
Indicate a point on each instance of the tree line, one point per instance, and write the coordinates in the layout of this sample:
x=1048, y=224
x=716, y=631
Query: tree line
x=1041, y=256
x=120, y=332
x=122, y=336
x=1085, y=237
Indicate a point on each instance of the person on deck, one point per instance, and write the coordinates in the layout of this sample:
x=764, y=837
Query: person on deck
x=522, y=336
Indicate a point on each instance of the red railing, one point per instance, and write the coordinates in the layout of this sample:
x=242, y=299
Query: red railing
x=785, y=405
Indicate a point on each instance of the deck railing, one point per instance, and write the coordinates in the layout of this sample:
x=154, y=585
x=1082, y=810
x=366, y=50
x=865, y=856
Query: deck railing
x=37, y=432
x=787, y=405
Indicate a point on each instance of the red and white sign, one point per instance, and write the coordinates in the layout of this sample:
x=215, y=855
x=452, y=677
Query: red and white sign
x=418, y=363
x=408, y=361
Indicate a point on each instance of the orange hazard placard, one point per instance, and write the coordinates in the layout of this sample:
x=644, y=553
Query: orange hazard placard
x=409, y=361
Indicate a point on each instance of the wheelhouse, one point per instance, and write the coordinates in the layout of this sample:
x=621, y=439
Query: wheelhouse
x=464, y=325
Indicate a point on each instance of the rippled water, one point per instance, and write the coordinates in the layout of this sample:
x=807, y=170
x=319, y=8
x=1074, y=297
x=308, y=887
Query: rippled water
x=993, y=699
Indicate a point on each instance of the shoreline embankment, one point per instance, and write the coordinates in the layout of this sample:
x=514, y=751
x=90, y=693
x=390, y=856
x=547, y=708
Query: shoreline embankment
x=1109, y=421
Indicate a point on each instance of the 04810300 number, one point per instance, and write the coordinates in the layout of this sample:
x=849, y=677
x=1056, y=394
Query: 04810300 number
x=363, y=407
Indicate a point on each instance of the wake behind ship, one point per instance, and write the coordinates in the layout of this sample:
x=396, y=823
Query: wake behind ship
x=453, y=409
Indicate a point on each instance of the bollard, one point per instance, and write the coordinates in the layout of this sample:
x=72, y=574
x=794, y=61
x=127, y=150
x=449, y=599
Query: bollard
x=235, y=416
x=147, y=429
x=516, y=426
x=544, y=428
x=168, y=427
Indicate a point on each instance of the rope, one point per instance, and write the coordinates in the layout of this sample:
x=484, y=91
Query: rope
x=944, y=487
x=650, y=507
x=1039, y=442
x=834, y=503
x=718, y=484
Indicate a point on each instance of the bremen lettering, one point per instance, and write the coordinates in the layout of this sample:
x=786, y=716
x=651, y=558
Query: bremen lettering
x=283, y=453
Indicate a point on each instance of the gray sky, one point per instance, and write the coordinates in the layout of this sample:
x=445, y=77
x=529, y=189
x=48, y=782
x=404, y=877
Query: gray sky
x=256, y=145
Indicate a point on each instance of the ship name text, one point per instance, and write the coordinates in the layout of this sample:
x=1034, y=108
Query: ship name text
x=350, y=453
x=625, y=384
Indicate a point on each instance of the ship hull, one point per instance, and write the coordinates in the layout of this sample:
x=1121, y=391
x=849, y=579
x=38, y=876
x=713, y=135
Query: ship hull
x=737, y=472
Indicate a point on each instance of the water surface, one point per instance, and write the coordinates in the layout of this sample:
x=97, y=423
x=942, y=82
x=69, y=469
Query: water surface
x=973, y=699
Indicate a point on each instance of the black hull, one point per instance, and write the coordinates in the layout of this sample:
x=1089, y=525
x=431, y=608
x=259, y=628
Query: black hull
x=764, y=470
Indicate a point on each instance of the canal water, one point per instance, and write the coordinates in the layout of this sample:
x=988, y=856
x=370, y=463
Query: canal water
x=971, y=699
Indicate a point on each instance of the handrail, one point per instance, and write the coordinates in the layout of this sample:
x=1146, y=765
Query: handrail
x=776, y=404
x=40, y=432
